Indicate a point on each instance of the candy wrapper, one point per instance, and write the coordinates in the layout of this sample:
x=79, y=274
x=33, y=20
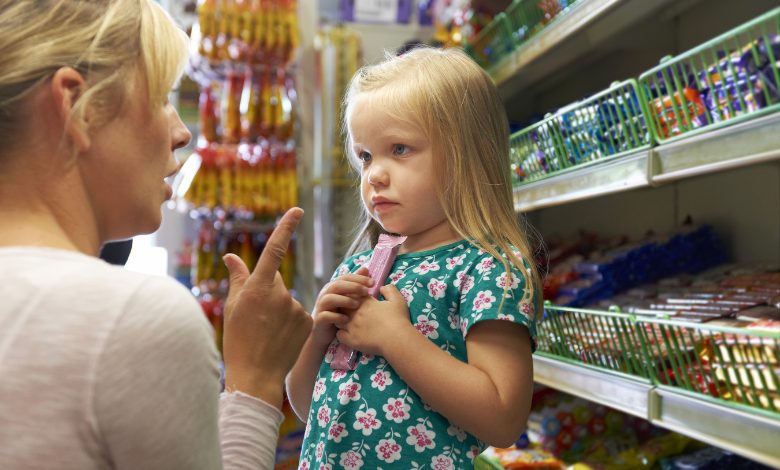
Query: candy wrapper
x=385, y=251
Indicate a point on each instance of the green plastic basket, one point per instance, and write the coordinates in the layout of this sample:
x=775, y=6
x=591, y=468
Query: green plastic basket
x=607, y=125
x=492, y=43
x=726, y=80
x=735, y=366
x=606, y=340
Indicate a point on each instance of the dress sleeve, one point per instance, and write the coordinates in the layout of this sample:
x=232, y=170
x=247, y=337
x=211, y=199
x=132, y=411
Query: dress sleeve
x=156, y=394
x=482, y=288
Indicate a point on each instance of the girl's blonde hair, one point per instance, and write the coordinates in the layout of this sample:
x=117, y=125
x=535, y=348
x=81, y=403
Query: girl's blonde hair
x=105, y=40
x=456, y=105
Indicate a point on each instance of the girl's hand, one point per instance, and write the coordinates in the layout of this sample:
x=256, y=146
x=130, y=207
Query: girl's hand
x=343, y=294
x=372, y=327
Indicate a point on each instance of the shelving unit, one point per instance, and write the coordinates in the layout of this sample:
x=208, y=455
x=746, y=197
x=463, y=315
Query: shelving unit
x=582, y=32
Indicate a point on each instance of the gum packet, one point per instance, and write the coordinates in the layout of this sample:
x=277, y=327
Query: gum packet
x=385, y=251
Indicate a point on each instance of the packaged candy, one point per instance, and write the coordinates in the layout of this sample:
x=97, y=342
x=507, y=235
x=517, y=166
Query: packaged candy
x=385, y=251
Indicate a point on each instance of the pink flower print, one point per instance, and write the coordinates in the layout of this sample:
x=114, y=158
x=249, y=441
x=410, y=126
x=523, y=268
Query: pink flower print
x=463, y=325
x=455, y=261
x=337, y=431
x=388, y=450
x=397, y=276
x=473, y=452
x=506, y=316
x=308, y=429
x=320, y=450
x=457, y=432
x=366, y=421
x=349, y=391
x=342, y=271
x=442, y=462
x=427, y=327
x=485, y=265
x=407, y=295
x=484, y=300
x=380, y=380
x=319, y=388
x=420, y=437
x=337, y=375
x=361, y=260
x=454, y=319
x=396, y=410
x=501, y=281
x=323, y=416
x=325, y=466
x=351, y=459
x=366, y=358
x=304, y=465
x=436, y=288
x=464, y=282
x=331, y=351
x=426, y=267
x=526, y=308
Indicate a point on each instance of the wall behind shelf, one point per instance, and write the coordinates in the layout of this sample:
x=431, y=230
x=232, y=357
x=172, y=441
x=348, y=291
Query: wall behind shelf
x=743, y=206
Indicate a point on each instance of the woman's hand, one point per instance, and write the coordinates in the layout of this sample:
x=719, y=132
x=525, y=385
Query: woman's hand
x=342, y=295
x=373, y=326
x=264, y=327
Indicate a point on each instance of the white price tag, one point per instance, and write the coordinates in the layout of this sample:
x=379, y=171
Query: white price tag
x=378, y=11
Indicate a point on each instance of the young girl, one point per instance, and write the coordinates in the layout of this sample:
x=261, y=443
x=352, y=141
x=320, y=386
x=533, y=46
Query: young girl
x=445, y=363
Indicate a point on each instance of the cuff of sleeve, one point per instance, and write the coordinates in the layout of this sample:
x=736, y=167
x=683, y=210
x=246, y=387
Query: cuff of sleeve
x=242, y=403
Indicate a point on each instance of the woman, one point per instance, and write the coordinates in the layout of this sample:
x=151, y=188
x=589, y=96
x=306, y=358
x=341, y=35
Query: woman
x=103, y=368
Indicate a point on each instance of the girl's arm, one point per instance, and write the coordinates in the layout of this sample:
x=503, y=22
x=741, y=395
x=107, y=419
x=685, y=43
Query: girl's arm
x=489, y=397
x=300, y=380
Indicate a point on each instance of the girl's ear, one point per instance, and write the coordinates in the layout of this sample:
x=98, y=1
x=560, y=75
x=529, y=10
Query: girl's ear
x=67, y=86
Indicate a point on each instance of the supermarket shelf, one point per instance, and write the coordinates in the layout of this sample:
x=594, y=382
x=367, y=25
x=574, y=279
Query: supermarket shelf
x=748, y=434
x=597, y=179
x=624, y=393
x=747, y=143
x=573, y=35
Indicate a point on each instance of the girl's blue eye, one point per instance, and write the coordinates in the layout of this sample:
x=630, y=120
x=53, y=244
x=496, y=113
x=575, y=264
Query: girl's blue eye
x=364, y=156
x=400, y=149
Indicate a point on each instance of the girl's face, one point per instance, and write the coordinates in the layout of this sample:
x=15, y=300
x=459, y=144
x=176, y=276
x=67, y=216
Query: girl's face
x=397, y=180
x=126, y=165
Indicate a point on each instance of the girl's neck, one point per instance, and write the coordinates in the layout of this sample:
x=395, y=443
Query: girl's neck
x=440, y=235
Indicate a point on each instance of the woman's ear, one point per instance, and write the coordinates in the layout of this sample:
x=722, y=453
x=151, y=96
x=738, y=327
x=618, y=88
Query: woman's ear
x=67, y=86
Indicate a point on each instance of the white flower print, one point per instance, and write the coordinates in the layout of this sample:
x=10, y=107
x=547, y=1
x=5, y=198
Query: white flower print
x=527, y=309
x=342, y=271
x=381, y=379
x=366, y=358
x=457, y=432
x=420, y=437
x=337, y=375
x=388, y=450
x=325, y=466
x=463, y=324
x=484, y=300
x=442, y=462
x=407, y=295
x=323, y=415
x=396, y=410
x=320, y=450
x=366, y=421
x=485, y=265
x=361, y=260
x=425, y=267
x=304, y=465
x=331, y=351
x=454, y=261
x=473, y=452
x=319, y=388
x=436, y=288
x=308, y=429
x=427, y=327
x=397, y=276
x=505, y=316
x=464, y=282
x=337, y=432
x=351, y=459
x=501, y=281
x=349, y=391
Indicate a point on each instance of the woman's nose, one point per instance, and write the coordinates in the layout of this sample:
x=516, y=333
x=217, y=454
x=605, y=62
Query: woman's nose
x=180, y=135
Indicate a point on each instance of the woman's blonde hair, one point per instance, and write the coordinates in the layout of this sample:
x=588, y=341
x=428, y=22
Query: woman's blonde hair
x=456, y=105
x=105, y=40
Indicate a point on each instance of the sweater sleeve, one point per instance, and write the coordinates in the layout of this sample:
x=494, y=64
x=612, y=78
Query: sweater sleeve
x=156, y=392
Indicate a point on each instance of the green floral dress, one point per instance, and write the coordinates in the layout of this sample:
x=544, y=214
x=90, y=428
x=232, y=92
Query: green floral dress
x=369, y=418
